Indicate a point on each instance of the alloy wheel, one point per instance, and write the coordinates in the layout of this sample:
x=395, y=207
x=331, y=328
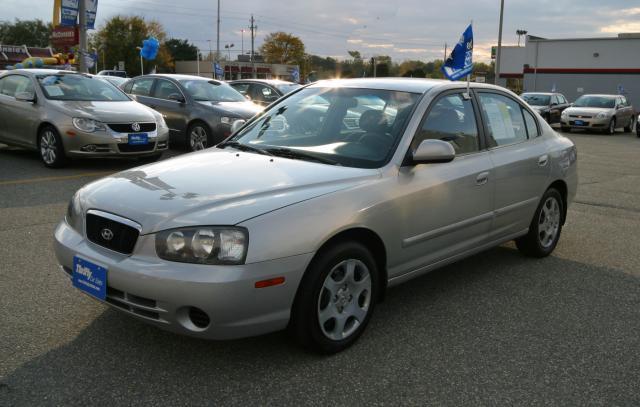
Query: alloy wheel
x=345, y=299
x=198, y=138
x=48, y=147
x=549, y=222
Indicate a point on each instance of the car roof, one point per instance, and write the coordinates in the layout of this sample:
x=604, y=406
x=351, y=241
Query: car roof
x=540, y=93
x=602, y=95
x=178, y=76
x=413, y=85
x=37, y=71
x=267, y=81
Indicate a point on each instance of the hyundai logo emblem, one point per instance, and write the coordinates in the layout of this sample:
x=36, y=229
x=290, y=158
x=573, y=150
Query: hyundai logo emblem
x=106, y=234
x=135, y=126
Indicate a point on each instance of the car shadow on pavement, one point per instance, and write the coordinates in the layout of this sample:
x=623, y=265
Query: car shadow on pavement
x=497, y=328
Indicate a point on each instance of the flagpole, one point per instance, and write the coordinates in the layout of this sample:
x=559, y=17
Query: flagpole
x=469, y=74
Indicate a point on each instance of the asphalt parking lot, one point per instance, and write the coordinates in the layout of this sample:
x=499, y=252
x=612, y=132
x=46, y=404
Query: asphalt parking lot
x=494, y=329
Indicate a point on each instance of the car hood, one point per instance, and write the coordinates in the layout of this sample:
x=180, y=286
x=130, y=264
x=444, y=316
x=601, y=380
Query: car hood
x=587, y=111
x=214, y=187
x=245, y=110
x=108, y=112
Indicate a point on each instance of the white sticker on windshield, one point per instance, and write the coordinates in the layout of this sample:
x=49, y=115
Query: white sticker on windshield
x=54, y=90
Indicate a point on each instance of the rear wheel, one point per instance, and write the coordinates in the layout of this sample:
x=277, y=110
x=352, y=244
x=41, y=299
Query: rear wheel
x=198, y=137
x=545, y=228
x=51, y=148
x=336, y=298
x=631, y=126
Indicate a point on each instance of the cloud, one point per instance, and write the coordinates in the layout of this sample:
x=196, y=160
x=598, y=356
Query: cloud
x=621, y=27
x=354, y=41
x=383, y=46
x=412, y=50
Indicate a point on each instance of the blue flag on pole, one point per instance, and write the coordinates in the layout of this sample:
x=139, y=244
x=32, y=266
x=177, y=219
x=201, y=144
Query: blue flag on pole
x=460, y=61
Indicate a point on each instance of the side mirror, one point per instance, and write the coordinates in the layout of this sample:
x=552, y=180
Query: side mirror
x=236, y=125
x=26, y=97
x=554, y=104
x=176, y=97
x=433, y=151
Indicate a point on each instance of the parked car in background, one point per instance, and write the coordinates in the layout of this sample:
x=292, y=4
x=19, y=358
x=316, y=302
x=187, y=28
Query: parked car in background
x=113, y=72
x=117, y=81
x=290, y=225
x=604, y=113
x=549, y=105
x=64, y=114
x=263, y=91
x=199, y=111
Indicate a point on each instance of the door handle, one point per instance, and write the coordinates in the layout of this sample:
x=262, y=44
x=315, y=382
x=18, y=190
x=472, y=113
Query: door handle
x=543, y=160
x=482, y=178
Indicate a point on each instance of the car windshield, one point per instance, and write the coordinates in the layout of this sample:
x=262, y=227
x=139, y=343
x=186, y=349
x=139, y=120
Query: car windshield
x=114, y=80
x=211, y=91
x=79, y=88
x=285, y=88
x=345, y=126
x=536, y=99
x=604, y=102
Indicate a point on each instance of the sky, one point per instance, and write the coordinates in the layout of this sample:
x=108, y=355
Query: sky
x=403, y=29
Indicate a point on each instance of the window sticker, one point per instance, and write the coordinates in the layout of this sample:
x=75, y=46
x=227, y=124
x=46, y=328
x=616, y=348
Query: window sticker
x=54, y=90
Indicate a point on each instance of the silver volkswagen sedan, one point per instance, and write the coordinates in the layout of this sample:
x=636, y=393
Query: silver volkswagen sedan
x=306, y=220
x=64, y=114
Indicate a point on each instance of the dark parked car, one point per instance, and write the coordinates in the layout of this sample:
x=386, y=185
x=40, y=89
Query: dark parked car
x=263, y=91
x=199, y=111
x=549, y=105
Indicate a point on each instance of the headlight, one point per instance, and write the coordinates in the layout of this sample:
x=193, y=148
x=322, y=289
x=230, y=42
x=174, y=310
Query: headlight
x=162, y=124
x=602, y=115
x=228, y=120
x=87, y=125
x=564, y=114
x=203, y=245
x=74, y=213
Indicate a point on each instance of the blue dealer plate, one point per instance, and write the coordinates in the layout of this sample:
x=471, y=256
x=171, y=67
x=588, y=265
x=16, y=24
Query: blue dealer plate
x=138, y=139
x=90, y=278
x=579, y=123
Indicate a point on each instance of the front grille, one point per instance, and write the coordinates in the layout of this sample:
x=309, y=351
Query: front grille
x=581, y=117
x=136, y=148
x=145, y=307
x=126, y=127
x=122, y=237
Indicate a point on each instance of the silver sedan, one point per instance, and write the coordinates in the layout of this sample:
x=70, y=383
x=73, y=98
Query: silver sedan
x=603, y=113
x=314, y=208
x=63, y=114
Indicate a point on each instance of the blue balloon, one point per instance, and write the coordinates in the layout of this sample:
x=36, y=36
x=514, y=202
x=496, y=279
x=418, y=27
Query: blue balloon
x=150, y=48
x=39, y=63
x=19, y=66
x=29, y=64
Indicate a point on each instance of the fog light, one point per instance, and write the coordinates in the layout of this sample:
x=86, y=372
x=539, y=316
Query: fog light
x=89, y=147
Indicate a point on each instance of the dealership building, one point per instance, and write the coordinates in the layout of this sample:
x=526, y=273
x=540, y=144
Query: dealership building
x=575, y=66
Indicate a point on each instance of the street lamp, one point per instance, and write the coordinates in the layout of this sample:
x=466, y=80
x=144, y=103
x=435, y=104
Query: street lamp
x=520, y=33
x=242, y=32
x=228, y=48
x=198, y=60
x=141, y=65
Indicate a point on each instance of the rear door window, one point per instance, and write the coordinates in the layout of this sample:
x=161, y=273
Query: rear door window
x=142, y=87
x=165, y=88
x=504, y=119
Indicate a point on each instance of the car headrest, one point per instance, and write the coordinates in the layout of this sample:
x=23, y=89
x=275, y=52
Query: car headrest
x=373, y=121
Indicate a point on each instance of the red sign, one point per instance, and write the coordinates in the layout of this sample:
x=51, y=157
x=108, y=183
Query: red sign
x=65, y=37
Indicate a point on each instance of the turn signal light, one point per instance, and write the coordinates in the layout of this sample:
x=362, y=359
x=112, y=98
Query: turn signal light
x=270, y=282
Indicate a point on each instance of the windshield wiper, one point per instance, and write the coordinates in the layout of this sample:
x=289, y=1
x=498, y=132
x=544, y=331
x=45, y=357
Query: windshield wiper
x=299, y=155
x=244, y=147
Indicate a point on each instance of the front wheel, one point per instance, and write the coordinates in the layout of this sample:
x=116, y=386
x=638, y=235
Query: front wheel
x=545, y=228
x=51, y=148
x=336, y=298
x=612, y=127
x=198, y=137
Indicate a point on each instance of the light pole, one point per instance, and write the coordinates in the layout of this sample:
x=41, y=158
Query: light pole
x=141, y=64
x=198, y=61
x=210, y=56
x=242, y=33
x=499, y=50
x=520, y=33
x=228, y=48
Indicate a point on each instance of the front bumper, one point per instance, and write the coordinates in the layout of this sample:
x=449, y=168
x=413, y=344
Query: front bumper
x=109, y=144
x=165, y=293
x=588, y=123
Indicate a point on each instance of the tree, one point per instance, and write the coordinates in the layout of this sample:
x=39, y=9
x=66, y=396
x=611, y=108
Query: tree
x=282, y=48
x=32, y=33
x=118, y=38
x=181, y=50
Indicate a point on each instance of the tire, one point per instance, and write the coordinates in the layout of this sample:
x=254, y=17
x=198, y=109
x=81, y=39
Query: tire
x=331, y=309
x=198, y=137
x=565, y=129
x=50, y=148
x=545, y=228
x=611, y=130
x=631, y=126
